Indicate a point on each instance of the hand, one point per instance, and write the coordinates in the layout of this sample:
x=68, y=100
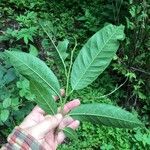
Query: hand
x=43, y=127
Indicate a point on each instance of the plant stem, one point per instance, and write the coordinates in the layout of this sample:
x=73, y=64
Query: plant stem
x=69, y=71
x=71, y=61
x=113, y=90
x=56, y=50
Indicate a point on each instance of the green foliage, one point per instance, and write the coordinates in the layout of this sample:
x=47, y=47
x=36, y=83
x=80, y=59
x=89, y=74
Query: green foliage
x=42, y=85
x=24, y=91
x=26, y=34
x=125, y=81
x=4, y=115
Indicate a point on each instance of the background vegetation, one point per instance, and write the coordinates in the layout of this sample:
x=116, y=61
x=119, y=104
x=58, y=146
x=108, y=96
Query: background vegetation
x=124, y=83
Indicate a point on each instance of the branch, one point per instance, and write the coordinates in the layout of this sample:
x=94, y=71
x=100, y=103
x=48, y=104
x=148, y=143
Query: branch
x=140, y=70
x=113, y=90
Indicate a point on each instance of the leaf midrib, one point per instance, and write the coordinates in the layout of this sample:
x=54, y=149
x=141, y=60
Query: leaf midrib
x=36, y=74
x=103, y=116
x=94, y=59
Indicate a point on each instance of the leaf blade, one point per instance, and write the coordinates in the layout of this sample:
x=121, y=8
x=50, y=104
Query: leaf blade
x=106, y=115
x=70, y=133
x=34, y=69
x=95, y=56
x=43, y=98
x=62, y=47
x=4, y=115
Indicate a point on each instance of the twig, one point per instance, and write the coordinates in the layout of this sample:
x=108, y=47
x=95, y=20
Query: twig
x=113, y=90
x=56, y=50
x=140, y=70
x=68, y=75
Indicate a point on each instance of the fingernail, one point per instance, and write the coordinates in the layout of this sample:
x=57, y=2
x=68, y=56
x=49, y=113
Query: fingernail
x=48, y=116
x=78, y=122
x=77, y=100
x=59, y=116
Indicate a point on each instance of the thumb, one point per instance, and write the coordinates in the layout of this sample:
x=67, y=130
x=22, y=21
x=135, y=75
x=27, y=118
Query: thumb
x=48, y=124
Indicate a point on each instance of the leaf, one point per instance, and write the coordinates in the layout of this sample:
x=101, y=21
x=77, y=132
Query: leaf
x=62, y=47
x=4, y=115
x=48, y=27
x=95, y=56
x=2, y=72
x=43, y=98
x=15, y=102
x=25, y=38
x=2, y=55
x=33, y=50
x=70, y=133
x=9, y=76
x=34, y=69
x=105, y=114
x=7, y=102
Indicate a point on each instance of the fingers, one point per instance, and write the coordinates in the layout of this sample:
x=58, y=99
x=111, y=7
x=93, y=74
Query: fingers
x=39, y=110
x=61, y=136
x=70, y=105
x=74, y=125
x=45, y=126
x=65, y=122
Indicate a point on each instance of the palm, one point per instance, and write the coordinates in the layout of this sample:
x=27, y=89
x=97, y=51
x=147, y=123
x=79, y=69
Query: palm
x=36, y=116
x=52, y=138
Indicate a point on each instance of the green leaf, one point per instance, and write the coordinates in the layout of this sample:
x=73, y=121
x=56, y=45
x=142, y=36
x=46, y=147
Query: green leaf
x=48, y=27
x=43, y=98
x=9, y=76
x=2, y=72
x=15, y=101
x=62, y=47
x=95, y=56
x=25, y=38
x=7, y=102
x=34, y=69
x=4, y=115
x=70, y=133
x=2, y=55
x=105, y=114
x=33, y=50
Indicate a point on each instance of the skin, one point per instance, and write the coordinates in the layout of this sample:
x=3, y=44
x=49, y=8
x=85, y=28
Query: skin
x=43, y=127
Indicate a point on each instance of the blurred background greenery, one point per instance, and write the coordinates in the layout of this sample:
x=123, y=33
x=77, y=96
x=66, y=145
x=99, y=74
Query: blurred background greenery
x=125, y=83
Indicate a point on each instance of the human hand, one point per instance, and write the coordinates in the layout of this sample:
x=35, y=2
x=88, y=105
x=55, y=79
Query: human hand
x=43, y=127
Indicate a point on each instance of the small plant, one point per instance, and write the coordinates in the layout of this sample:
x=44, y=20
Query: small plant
x=92, y=60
